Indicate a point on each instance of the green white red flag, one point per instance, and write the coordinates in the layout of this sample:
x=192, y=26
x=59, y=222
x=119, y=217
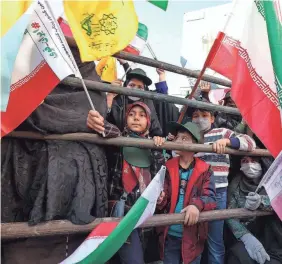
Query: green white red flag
x=107, y=238
x=272, y=183
x=43, y=60
x=249, y=52
x=137, y=45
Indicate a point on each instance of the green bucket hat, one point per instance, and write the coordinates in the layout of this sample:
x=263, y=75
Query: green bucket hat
x=137, y=156
x=190, y=127
x=139, y=74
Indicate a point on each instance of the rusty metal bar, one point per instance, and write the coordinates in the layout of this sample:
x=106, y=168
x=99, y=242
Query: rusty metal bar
x=170, y=67
x=133, y=142
x=160, y=64
x=64, y=227
x=103, y=87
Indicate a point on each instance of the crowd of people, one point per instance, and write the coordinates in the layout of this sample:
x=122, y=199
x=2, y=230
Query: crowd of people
x=195, y=182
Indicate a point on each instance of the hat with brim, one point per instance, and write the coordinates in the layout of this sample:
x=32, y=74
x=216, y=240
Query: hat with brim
x=137, y=157
x=191, y=128
x=140, y=75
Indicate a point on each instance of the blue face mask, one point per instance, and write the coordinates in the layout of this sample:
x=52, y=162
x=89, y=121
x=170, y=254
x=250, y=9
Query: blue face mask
x=203, y=123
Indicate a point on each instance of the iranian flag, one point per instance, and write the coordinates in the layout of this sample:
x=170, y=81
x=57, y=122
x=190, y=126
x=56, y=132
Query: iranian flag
x=249, y=52
x=137, y=45
x=43, y=60
x=107, y=238
x=272, y=183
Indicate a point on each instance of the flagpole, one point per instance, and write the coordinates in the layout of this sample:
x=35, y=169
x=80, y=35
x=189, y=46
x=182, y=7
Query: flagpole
x=129, y=68
x=208, y=61
x=78, y=74
x=151, y=51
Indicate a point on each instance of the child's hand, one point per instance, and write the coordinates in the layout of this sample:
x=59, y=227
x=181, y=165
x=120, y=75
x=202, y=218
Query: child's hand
x=192, y=214
x=158, y=141
x=161, y=197
x=220, y=145
x=170, y=137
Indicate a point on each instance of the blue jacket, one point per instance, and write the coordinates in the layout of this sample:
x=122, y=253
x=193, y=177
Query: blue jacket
x=161, y=87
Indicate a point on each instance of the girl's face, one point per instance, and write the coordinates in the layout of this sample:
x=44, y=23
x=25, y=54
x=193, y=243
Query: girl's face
x=137, y=119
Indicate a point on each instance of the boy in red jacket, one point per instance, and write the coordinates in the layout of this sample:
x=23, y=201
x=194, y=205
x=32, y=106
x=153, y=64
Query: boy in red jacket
x=189, y=188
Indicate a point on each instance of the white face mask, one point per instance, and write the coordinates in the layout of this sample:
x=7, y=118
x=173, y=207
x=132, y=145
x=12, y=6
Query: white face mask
x=133, y=98
x=202, y=123
x=252, y=170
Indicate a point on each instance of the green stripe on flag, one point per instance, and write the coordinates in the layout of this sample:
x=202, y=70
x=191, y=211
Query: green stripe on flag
x=160, y=3
x=142, y=31
x=119, y=235
x=274, y=30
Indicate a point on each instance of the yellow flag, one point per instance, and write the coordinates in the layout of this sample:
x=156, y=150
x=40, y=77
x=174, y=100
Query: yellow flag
x=101, y=28
x=11, y=11
x=107, y=69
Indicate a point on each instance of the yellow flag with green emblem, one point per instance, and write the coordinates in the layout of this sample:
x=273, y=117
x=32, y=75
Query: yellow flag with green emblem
x=101, y=28
x=107, y=69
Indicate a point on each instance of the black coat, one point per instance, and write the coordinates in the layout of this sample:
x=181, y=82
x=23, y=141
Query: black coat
x=118, y=112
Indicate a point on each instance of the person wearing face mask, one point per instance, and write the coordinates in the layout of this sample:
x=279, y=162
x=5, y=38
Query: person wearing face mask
x=219, y=138
x=135, y=79
x=251, y=243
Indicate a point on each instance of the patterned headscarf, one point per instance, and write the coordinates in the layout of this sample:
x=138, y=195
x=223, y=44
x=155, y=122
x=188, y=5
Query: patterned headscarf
x=132, y=175
x=148, y=114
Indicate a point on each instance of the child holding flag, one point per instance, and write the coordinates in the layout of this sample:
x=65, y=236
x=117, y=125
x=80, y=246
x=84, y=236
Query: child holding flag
x=130, y=175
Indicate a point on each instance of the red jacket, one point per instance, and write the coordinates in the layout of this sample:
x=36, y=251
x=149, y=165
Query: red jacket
x=201, y=186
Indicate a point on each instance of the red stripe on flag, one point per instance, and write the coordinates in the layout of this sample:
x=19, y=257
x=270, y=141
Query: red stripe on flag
x=256, y=101
x=26, y=96
x=103, y=229
x=259, y=110
x=225, y=60
x=65, y=27
x=132, y=50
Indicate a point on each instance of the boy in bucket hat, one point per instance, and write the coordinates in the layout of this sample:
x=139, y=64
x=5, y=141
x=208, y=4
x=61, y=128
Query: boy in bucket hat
x=189, y=188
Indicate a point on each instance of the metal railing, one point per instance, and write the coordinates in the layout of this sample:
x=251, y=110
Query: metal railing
x=61, y=227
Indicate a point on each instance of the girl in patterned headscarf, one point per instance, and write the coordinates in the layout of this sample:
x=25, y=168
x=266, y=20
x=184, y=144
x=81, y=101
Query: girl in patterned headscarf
x=133, y=170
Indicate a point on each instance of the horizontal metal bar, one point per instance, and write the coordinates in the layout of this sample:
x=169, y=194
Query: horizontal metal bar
x=103, y=87
x=64, y=227
x=170, y=67
x=160, y=64
x=133, y=142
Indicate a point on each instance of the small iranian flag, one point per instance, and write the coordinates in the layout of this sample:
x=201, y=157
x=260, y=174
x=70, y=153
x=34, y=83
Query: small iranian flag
x=43, y=60
x=272, y=183
x=107, y=238
x=137, y=45
x=249, y=52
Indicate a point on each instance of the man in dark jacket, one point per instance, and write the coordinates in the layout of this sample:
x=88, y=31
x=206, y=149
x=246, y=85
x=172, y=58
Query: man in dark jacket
x=137, y=79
